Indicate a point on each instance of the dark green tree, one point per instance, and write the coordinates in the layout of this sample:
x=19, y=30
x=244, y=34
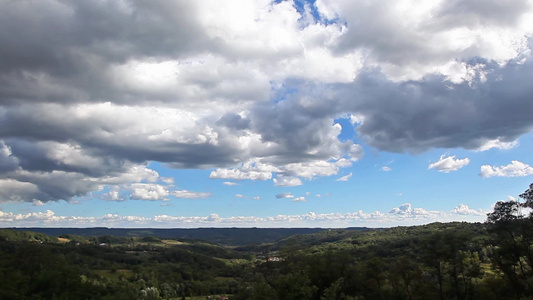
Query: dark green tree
x=512, y=238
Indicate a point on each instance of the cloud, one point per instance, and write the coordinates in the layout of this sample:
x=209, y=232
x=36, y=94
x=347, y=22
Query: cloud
x=463, y=209
x=449, y=164
x=167, y=180
x=386, y=169
x=113, y=195
x=249, y=90
x=299, y=199
x=316, y=168
x=143, y=191
x=240, y=196
x=287, y=181
x=403, y=215
x=230, y=183
x=406, y=210
x=38, y=203
x=251, y=170
x=284, y=195
x=190, y=195
x=394, y=110
x=345, y=177
x=498, y=144
x=454, y=26
x=514, y=169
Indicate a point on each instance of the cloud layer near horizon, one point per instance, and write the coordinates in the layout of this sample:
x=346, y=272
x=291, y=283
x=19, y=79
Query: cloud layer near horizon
x=91, y=92
x=405, y=215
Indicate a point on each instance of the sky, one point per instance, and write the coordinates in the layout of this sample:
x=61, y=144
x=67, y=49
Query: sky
x=256, y=113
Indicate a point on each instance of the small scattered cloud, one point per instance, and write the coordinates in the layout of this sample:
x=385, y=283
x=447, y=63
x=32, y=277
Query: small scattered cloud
x=514, y=169
x=247, y=197
x=190, y=195
x=345, y=178
x=385, y=169
x=230, y=183
x=284, y=195
x=299, y=199
x=449, y=164
x=287, y=181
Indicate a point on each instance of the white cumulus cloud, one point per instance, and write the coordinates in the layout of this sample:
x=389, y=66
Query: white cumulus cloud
x=449, y=164
x=514, y=169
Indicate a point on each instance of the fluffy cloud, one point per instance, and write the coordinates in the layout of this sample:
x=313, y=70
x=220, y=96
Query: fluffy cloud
x=514, y=169
x=143, y=191
x=463, y=209
x=406, y=209
x=250, y=170
x=91, y=91
x=316, y=168
x=449, y=164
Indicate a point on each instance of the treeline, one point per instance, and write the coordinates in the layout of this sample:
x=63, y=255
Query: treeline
x=459, y=261
x=436, y=261
x=222, y=236
x=108, y=267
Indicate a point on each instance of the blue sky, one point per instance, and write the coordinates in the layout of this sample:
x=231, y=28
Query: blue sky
x=325, y=113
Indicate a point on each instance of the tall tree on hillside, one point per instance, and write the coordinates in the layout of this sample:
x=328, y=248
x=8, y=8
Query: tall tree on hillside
x=512, y=239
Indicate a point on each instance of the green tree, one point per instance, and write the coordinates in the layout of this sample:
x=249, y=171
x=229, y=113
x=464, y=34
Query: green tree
x=512, y=238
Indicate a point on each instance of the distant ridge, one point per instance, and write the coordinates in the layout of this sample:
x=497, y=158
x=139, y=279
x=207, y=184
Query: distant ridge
x=223, y=236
